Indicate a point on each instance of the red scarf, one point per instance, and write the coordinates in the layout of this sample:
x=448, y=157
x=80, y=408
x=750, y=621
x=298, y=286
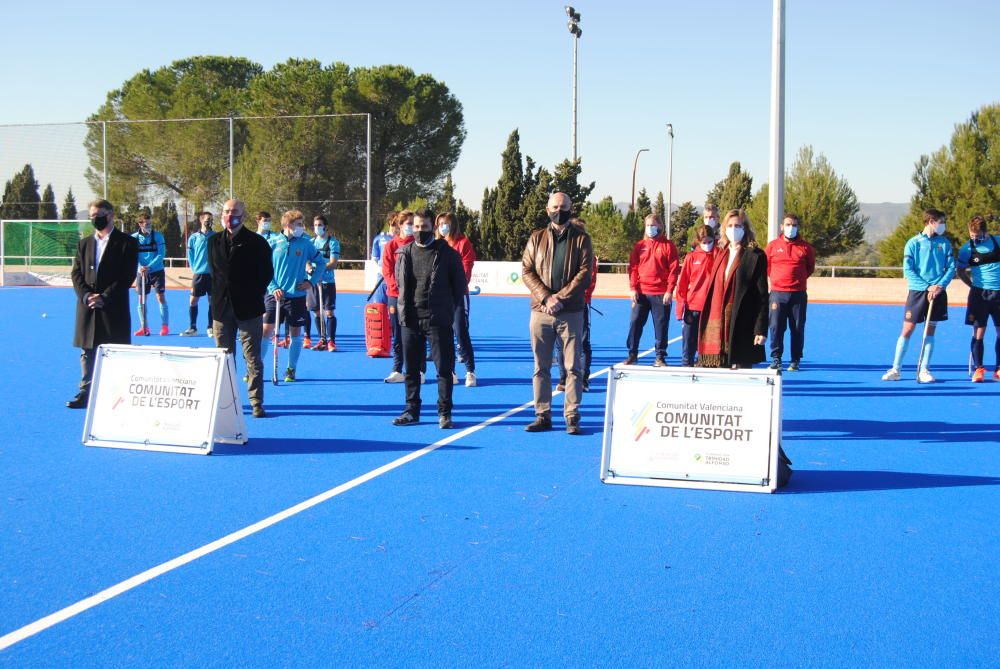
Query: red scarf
x=713, y=336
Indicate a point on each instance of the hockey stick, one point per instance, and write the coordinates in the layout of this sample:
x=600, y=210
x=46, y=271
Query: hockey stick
x=274, y=339
x=923, y=338
x=377, y=284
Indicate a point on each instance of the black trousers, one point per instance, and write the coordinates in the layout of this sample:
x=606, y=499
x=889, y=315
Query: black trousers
x=442, y=345
x=787, y=309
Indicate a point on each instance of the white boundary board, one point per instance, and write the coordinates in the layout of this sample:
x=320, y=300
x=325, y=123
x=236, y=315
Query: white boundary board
x=164, y=398
x=692, y=427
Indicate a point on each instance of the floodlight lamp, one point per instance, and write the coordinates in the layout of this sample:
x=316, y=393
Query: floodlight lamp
x=570, y=11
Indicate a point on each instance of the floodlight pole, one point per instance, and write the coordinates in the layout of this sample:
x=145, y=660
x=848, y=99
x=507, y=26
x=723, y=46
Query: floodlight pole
x=574, y=29
x=670, y=175
x=776, y=197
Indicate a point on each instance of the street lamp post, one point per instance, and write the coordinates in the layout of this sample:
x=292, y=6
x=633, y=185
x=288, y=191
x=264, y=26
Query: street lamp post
x=670, y=174
x=635, y=166
x=574, y=29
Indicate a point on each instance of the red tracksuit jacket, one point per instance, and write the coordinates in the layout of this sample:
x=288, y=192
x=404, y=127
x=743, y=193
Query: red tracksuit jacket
x=653, y=266
x=695, y=280
x=790, y=263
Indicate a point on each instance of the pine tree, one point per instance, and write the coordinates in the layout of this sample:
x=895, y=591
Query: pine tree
x=69, y=212
x=47, y=207
x=20, y=197
x=683, y=222
x=164, y=218
x=533, y=215
x=733, y=192
x=643, y=207
x=566, y=179
x=446, y=202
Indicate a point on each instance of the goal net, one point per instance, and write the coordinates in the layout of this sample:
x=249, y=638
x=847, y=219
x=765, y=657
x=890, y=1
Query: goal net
x=39, y=252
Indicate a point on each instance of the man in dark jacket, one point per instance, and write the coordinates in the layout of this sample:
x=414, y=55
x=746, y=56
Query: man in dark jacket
x=240, y=262
x=431, y=283
x=556, y=268
x=103, y=271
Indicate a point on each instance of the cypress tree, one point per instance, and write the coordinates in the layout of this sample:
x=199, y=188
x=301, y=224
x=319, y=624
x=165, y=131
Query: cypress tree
x=47, y=207
x=69, y=212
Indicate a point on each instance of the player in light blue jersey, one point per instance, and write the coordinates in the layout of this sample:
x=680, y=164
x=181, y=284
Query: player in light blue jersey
x=201, y=279
x=979, y=269
x=929, y=266
x=291, y=252
x=323, y=297
x=264, y=228
x=152, y=250
x=379, y=293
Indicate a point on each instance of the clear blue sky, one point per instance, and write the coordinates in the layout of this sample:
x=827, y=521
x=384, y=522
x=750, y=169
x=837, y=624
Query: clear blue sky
x=870, y=84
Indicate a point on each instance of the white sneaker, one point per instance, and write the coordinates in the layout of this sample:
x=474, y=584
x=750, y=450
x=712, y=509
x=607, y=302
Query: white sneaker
x=454, y=379
x=470, y=379
x=891, y=375
x=924, y=376
x=395, y=377
x=423, y=378
x=208, y=332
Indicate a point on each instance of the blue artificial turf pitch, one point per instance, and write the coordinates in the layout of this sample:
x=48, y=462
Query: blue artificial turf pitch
x=504, y=548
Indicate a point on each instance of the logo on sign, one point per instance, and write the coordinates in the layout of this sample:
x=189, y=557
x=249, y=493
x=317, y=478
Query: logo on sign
x=639, y=428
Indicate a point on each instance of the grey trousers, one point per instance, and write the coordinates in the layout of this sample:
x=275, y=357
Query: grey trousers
x=544, y=329
x=224, y=327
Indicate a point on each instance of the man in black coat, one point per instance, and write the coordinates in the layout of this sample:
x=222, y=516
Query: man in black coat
x=240, y=261
x=103, y=271
x=431, y=283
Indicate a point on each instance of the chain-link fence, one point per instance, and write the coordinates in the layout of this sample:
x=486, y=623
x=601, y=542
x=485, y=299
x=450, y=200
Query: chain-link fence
x=172, y=169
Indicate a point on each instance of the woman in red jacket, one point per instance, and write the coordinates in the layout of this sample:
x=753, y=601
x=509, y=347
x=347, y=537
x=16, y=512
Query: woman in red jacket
x=652, y=272
x=692, y=289
x=448, y=229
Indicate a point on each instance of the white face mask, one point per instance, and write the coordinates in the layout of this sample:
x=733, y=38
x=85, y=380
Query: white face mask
x=939, y=229
x=319, y=230
x=444, y=229
x=264, y=226
x=707, y=246
x=713, y=222
x=791, y=231
x=297, y=231
x=652, y=230
x=735, y=234
x=406, y=231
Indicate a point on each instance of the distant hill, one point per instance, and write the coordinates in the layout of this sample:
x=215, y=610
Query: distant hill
x=883, y=217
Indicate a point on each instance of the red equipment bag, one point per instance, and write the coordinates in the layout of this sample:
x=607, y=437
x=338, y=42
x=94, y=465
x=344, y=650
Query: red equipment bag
x=378, y=334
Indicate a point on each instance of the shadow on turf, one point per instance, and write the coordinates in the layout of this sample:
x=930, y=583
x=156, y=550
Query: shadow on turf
x=820, y=481
x=875, y=430
x=275, y=446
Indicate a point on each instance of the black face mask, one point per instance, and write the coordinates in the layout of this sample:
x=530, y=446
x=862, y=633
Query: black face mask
x=560, y=217
x=100, y=222
x=423, y=238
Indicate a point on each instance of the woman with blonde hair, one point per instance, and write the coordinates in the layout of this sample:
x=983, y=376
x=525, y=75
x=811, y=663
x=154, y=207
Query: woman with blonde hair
x=733, y=324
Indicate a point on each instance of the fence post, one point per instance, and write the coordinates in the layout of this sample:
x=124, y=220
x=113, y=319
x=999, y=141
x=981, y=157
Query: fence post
x=368, y=187
x=833, y=271
x=232, y=196
x=104, y=145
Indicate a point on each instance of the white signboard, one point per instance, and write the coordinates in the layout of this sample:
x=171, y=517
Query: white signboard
x=164, y=398
x=692, y=428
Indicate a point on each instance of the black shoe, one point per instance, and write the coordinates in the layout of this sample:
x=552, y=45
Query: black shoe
x=543, y=423
x=687, y=363
x=258, y=411
x=573, y=426
x=405, y=418
x=659, y=362
x=78, y=402
x=775, y=364
x=561, y=386
x=794, y=366
x=630, y=360
x=444, y=421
